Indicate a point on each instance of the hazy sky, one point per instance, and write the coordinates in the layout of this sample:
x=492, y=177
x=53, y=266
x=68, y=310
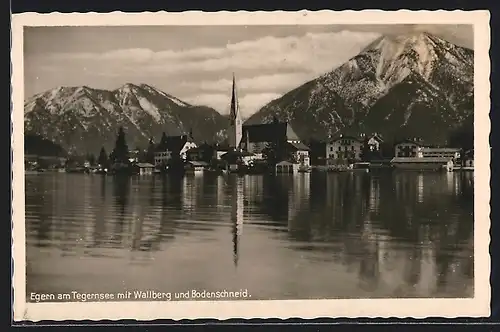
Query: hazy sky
x=195, y=63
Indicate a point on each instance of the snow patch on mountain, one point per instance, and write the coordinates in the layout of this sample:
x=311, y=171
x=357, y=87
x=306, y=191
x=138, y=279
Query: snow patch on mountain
x=86, y=118
x=395, y=82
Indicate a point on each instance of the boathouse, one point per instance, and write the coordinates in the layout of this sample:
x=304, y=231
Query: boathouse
x=195, y=166
x=419, y=163
x=145, y=168
x=287, y=167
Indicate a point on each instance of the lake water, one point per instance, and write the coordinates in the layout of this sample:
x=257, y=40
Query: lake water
x=305, y=236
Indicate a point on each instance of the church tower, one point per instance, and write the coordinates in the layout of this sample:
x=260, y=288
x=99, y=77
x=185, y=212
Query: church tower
x=235, y=131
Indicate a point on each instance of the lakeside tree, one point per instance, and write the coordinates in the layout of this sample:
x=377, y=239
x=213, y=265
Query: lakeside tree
x=277, y=151
x=163, y=140
x=271, y=153
x=91, y=159
x=120, y=153
x=103, y=158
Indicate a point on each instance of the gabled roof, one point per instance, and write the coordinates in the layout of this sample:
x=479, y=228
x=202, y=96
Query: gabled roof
x=376, y=136
x=269, y=132
x=284, y=163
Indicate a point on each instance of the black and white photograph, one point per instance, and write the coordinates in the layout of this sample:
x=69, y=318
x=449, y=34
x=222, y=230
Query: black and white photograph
x=242, y=162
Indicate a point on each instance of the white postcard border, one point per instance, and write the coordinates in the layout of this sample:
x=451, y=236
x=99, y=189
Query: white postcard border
x=479, y=306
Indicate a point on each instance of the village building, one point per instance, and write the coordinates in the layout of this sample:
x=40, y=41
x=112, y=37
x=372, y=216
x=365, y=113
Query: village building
x=236, y=158
x=431, y=152
x=258, y=137
x=134, y=155
x=468, y=160
x=300, y=153
x=345, y=147
x=144, y=168
x=420, y=163
x=205, y=152
x=175, y=147
x=221, y=150
x=374, y=141
x=408, y=148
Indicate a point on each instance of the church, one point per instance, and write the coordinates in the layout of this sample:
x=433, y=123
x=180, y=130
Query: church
x=249, y=141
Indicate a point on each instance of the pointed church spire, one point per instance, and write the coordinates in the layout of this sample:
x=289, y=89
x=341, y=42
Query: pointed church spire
x=235, y=123
x=234, y=103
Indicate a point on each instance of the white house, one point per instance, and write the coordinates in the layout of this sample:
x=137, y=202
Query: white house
x=300, y=153
x=173, y=147
x=162, y=157
x=374, y=142
x=408, y=149
x=344, y=147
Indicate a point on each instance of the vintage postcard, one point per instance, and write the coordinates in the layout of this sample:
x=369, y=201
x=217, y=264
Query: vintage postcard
x=251, y=165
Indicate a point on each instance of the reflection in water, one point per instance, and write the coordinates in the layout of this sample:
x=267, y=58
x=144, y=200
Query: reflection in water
x=237, y=214
x=121, y=187
x=401, y=234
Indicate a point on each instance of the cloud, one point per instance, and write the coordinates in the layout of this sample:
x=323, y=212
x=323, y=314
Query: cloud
x=265, y=67
x=314, y=52
x=264, y=83
x=249, y=103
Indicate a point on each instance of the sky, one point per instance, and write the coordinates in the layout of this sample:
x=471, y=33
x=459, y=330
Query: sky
x=196, y=63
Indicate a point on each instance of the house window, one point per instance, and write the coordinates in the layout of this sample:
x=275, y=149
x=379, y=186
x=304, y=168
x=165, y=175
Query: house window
x=340, y=148
x=331, y=148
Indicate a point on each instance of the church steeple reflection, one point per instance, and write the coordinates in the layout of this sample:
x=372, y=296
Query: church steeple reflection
x=237, y=207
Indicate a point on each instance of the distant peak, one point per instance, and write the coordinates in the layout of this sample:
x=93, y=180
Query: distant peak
x=128, y=86
x=148, y=87
x=401, y=40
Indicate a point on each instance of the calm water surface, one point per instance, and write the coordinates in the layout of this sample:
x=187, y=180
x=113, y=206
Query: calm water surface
x=399, y=234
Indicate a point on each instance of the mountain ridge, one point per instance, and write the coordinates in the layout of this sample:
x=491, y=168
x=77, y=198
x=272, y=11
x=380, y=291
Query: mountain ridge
x=85, y=119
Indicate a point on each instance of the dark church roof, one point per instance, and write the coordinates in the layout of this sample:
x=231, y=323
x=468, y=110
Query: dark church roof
x=269, y=132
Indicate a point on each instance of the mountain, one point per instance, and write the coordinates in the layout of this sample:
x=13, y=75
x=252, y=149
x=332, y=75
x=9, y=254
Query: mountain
x=83, y=119
x=408, y=85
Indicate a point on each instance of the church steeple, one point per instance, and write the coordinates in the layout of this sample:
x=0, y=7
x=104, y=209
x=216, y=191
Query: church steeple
x=235, y=123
